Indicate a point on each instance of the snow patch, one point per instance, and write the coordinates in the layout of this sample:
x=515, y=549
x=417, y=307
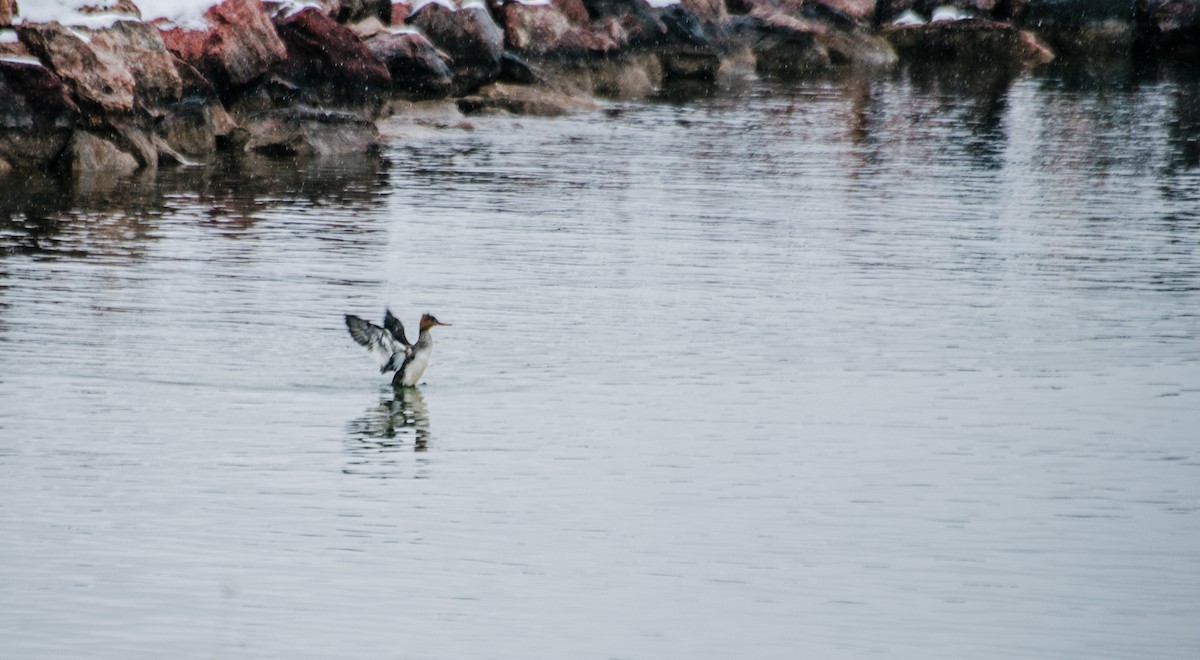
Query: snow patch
x=21, y=59
x=423, y=3
x=534, y=3
x=8, y=36
x=661, y=4
x=186, y=14
x=946, y=14
x=909, y=17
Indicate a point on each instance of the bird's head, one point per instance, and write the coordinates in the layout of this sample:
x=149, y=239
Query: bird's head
x=428, y=321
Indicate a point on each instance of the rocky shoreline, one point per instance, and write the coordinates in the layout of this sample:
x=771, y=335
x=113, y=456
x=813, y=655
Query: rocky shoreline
x=103, y=90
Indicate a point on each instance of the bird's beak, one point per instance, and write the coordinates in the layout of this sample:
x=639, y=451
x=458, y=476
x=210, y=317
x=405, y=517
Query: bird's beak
x=440, y=323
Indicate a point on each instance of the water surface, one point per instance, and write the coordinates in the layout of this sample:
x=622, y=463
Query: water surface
x=902, y=367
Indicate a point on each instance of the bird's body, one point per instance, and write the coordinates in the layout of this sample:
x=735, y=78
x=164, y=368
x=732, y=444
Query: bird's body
x=391, y=349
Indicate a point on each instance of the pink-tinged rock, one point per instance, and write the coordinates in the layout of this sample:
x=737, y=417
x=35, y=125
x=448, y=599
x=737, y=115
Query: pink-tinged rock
x=417, y=67
x=140, y=47
x=99, y=82
x=323, y=53
x=1165, y=16
x=861, y=11
x=400, y=11
x=239, y=45
x=7, y=11
x=576, y=12
x=544, y=30
x=989, y=44
x=37, y=115
x=469, y=35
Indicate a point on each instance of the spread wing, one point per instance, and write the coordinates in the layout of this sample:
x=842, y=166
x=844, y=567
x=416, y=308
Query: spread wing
x=394, y=326
x=389, y=353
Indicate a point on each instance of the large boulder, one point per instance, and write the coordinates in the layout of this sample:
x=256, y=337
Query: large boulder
x=140, y=48
x=468, y=34
x=325, y=56
x=37, y=115
x=238, y=44
x=417, y=67
x=543, y=29
x=88, y=153
x=982, y=43
x=100, y=82
x=300, y=131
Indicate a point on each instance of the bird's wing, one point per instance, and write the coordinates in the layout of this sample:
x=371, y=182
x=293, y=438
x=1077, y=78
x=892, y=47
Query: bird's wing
x=389, y=353
x=395, y=327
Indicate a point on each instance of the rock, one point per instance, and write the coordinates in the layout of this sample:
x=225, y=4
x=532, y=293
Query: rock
x=324, y=56
x=524, y=100
x=544, y=30
x=514, y=69
x=6, y=168
x=99, y=82
x=140, y=48
x=88, y=153
x=367, y=28
x=301, y=131
x=8, y=8
x=691, y=64
x=400, y=11
x=985, y=43
x=1171, y=27
x=126, y=7
x=468, y=34
x=37, y=115
x=636, y=23
x=783, y=44
x=416, y=66
x=189, y=128
x=239, y=45
x=861, y=11
x=351, y=11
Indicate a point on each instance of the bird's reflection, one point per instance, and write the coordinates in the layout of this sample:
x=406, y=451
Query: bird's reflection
x=399, y=422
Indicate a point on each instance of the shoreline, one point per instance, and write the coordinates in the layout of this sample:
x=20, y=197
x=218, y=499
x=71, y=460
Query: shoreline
x=108, y=93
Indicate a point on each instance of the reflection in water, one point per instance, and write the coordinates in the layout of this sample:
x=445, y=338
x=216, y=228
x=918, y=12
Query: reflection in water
x=385, y=429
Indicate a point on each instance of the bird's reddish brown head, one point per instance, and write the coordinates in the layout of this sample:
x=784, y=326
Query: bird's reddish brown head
x=428, y=321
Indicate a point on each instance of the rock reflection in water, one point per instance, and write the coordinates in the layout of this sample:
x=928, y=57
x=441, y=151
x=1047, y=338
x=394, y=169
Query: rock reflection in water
x=396, y=424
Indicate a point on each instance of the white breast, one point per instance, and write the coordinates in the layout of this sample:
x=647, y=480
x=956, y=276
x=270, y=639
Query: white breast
x=416, y=368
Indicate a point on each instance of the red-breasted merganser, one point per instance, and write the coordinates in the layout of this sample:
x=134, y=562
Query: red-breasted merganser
x=391, y=349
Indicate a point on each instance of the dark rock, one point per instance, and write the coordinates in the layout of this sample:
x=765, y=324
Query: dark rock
x=417, y=68
x=984, y=43
x=301, y=131
x=468, y=34
x=783, y=44
x=324, y=56
x=37, y=115
x=239, y=45
x=514, y=69
x=544, y=30
x=691, y=64
x=1077, y=13
x=100, y=83
x=1171, y=26
x=189, y=128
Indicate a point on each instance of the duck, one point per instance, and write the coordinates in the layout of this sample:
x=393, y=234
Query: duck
x=391, y=348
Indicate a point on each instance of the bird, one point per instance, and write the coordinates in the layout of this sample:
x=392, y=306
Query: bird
x=391, y=349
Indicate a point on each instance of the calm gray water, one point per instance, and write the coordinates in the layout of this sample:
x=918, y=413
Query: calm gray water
x=905, y=368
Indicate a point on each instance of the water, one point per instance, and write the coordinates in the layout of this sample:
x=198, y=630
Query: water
x=903, y=367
